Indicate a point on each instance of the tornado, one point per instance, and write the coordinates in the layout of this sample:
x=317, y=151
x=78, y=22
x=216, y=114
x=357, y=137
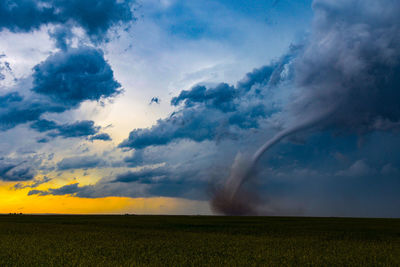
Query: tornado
x=230, y=199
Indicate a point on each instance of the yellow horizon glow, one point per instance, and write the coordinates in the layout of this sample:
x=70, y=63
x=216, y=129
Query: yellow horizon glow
x=18, y=201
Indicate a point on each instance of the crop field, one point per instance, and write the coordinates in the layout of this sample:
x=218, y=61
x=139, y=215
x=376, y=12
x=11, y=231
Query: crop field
x=197, y=241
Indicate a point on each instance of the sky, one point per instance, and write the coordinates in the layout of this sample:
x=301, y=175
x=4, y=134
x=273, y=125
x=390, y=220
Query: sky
x=146, y=107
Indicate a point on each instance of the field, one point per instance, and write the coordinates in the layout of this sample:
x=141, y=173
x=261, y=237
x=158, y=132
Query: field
x=197, y=241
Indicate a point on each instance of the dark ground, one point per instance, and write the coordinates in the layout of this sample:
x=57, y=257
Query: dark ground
x=197, y=241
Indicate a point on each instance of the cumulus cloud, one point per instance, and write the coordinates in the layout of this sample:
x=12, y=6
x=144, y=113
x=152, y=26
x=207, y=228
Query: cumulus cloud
x=96, y=17
x=74, y=76
x=62, y=82
x=218, y=112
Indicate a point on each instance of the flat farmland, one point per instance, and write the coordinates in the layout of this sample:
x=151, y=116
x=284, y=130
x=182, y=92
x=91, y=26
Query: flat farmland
x=55, y=240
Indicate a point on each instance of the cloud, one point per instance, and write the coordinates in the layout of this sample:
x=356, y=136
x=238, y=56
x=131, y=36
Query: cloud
x=74, y=76
x=101, y=136
x=215, y=113
x=358, y=169
x=6, y=73
x=146, y=176
x=18, y=109
x=82, y=162
x=351, y=64
x=220, y=97
x=60, y=83
x=62, y=35
x=96, y=17
x=35, y=183
x=155, y=100
x=10, y=98
x=16, y=172
x=64, y=190
x=76, y=129
x=144, y=183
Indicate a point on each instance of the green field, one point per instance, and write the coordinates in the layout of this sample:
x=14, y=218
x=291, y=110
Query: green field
x=197, y=241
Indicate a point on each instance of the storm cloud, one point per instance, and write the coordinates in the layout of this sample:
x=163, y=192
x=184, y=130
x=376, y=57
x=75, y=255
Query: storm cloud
x=74, y=76
x=64, y=190
x=101, y=136
x=60, y=83
x=76, y=129
x=96, y=17
x=35, y=183
x=14, y=172
x=216, y=113
x=343, y=79
x=351, y=63
x=348, y=67
x=81, y=162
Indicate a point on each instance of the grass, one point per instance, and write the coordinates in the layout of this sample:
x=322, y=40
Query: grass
x=197, y=241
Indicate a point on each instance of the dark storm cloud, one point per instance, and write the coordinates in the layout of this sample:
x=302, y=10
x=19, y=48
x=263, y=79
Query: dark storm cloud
x=86, y=191
x=64, y=190
x=74, y=76
x=214, y=113
x=15, y=172
x=143, y=183
x=220, y=97
x=101, y=136
x=76, y=129
x=185, y=124
x=13, y=115
x=146, y=176
x=95, y=16
x=62, y=82
x=351, y=63
x=83, y=162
